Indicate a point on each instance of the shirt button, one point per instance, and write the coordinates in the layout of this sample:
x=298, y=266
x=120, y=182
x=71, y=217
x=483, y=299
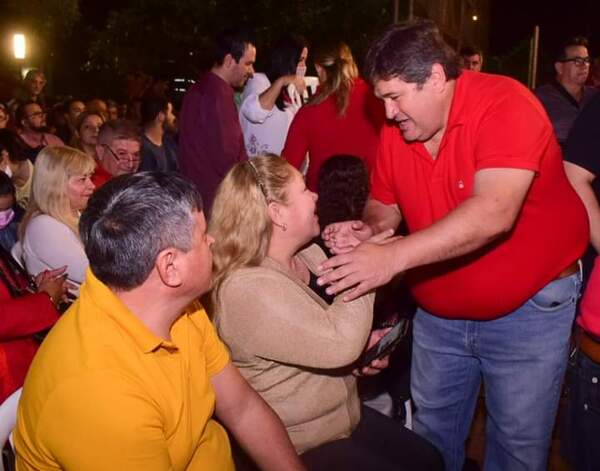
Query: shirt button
x=594, y=380
x=585, y=407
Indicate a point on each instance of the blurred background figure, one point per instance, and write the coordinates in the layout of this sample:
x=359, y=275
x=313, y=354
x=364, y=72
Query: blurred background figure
x=472, y=58
x=344, y=117
x=87, y=129
x=271, y=100
x=159, y=150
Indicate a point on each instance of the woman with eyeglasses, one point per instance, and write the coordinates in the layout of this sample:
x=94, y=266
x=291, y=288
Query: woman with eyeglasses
x=49, y=231
x=295, y=344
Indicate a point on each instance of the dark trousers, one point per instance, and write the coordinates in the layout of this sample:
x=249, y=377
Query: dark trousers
x=378, y=443
x=583, y=414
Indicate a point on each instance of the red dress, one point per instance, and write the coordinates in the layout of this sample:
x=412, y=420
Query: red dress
x=21, y=316
x=318, y=130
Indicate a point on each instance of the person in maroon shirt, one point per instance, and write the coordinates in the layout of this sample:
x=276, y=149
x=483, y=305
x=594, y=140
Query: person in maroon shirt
x=210, y=136
x=344, y=117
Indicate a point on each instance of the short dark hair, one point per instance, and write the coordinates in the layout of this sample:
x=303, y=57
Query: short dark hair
x=470, y=51
x=343, y=189
x=20, y=111
x=150, y=106
x=408, y=51
x=130, y=219
x=234, y=42
x=7, y=187
x=119, y=129
x=561, y=53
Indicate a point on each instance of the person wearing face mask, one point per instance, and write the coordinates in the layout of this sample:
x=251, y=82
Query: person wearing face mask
x=49, y=231
x=271, y=100
x=10, y=213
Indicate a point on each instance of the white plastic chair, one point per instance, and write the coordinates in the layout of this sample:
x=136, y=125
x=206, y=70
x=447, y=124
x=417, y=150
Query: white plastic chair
x=8, y=419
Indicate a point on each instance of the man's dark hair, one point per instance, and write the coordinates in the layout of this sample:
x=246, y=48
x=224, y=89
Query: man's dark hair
x=408, y=51
x=150, y=106
x=20, y=111
x=131, y=218
x=232, y=42
x=467, y=51
x=561, y=53
x=7, y=187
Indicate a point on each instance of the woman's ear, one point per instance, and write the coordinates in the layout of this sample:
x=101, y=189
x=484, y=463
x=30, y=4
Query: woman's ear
x=167, y=266
x=274, y=210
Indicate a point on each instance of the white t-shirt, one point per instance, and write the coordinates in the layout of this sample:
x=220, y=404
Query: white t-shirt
x=264, y=130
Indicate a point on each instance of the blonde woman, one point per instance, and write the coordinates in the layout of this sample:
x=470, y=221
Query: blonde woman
x=292, y=342
x=60, y=190
x=343, y=117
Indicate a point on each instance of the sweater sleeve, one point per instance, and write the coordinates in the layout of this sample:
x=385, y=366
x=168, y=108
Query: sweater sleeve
x=263, y=313
x=250, y=108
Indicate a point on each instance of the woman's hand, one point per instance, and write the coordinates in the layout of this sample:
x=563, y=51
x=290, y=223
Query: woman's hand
x=53, y=283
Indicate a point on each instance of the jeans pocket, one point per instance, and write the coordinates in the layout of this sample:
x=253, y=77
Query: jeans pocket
x=557, y=294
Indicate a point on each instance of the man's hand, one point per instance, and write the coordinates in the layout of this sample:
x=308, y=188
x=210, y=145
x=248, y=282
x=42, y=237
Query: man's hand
x=379, y=364
x=366, y=267
x=342, y=237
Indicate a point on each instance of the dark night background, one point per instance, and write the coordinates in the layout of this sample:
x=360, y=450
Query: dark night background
x=89, y=50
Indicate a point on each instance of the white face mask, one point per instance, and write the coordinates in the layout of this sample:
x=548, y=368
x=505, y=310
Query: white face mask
x=6, y=217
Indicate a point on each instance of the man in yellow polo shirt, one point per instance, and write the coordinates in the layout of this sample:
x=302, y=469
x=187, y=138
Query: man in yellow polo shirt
x=131, y=375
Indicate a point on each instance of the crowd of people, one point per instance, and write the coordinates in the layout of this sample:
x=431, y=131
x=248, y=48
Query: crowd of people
x=206, y=281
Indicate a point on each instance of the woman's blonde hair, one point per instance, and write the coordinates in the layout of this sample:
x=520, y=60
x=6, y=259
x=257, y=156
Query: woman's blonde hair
x=240, y=223
x=53, y=168
x=341, y=71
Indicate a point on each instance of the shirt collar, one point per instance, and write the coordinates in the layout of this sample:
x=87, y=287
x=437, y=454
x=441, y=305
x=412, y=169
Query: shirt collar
x=96, y=297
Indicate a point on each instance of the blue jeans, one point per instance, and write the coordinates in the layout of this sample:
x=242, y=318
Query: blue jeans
x=521, y=358
x=583, y=416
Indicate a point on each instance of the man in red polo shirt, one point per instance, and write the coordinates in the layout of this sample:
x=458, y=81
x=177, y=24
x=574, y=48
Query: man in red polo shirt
x=118, y=150
x=471, y=163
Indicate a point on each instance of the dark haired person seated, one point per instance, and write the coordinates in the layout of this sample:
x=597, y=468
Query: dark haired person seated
x=26, y=308
x=10, y=213
x=130, y=377
x=296, y=345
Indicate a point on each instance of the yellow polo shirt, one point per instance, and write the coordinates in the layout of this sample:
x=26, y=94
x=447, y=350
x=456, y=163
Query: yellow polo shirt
x=104, y=392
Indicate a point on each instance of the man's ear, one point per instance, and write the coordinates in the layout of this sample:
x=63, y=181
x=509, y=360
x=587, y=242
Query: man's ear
x=228, y=61
x=161, y=117
x=167, y=267
x=558, y=67
x=437, y=79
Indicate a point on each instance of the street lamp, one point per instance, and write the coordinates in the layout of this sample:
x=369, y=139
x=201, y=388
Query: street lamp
x=19, y=46
x=475, y=18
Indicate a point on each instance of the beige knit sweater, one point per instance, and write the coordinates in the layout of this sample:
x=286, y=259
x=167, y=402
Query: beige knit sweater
x=290, y=345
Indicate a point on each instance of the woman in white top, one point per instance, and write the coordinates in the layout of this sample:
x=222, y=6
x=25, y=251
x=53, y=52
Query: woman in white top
x=271, y=100
x=60, y=189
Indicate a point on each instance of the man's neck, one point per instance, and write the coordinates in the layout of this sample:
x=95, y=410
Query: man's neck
x=159, y=314
x=155, y=134
x=32, y=136
x=220, y=72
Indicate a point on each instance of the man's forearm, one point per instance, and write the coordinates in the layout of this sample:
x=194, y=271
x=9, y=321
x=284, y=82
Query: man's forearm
x=467, y=228
x=271, y=449
x=380, y=217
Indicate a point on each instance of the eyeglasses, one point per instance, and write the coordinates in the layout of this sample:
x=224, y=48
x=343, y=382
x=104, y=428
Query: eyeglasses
x=124, y=157
x=37, y=114
x=579, y=61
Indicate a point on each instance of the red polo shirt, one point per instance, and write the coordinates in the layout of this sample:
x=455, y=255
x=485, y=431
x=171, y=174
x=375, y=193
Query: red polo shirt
x=100, y=176
x=494, y=122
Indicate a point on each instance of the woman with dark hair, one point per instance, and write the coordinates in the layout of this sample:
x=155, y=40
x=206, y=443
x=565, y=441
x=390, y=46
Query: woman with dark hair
x=271, y=100
x=14, y=162
x=343, y=117
x=87, y=129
